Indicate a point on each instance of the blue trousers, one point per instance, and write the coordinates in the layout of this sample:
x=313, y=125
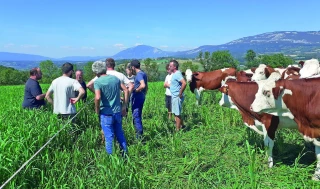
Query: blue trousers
x=112, y=126
x=137, y=106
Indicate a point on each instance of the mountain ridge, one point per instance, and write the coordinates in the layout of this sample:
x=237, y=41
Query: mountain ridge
x=287, y=42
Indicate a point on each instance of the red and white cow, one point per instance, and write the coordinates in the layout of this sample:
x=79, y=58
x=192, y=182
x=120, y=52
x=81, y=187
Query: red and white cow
x=200, y=81
x=298, y=100
x=240, y=95
x=310, y=68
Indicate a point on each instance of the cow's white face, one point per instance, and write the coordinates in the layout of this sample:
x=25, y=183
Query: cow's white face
x=259, y=74
x=188, y=75
x=265, y=101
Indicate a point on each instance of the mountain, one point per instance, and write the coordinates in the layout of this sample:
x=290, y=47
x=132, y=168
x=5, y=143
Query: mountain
x=82, y=58
x=8, y=56
x=292, y=43
x=141, y=51
x=287, y=42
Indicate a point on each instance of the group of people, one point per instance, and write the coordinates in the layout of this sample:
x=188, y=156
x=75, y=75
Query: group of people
x=113, y=93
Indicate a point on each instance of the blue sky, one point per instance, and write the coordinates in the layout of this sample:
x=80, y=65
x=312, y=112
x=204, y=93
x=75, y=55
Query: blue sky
x=58, y=28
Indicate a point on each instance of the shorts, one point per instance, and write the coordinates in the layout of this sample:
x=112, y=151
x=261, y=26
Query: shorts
x=168, y=102
x=177, y=105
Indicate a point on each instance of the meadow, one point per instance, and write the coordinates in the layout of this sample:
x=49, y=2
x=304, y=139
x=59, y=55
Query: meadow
x=216, y=150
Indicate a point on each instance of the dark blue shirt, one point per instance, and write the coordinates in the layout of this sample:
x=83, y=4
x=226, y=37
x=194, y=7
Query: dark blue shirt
x=84, y=86
x=31, y=91
x=140, y=76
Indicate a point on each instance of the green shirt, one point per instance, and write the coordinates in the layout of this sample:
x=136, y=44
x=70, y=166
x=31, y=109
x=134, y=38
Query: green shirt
x=109, y=87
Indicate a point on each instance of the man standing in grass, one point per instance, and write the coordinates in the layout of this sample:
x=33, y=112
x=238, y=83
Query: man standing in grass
x=138, y=96
x=166, y=85
x=79, y=78
x=63, y=89
x=108, y=106
x=33, y=96
x=177, y=87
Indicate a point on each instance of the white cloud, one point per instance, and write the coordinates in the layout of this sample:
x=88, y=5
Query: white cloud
x=29, y=46
x=164, y=46
x=8, y=45
x=87, y=48
x=137, y=44
x=138, y=37
x=120, y=46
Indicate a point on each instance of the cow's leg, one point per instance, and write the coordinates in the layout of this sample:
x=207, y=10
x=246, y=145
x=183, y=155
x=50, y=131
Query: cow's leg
x=197, y=92
x=316, y=175
x=269, y=143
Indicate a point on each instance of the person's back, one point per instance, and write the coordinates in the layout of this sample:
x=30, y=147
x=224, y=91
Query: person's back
x=32, y=89
x=109, y=86
x=63, y=89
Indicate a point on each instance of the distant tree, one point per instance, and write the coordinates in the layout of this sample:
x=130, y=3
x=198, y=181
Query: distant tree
x=151, y=69
x=222, y=59
x=11, y=76
x=49, y=71
x=188, y=65
x=275, y=60
x=87, y=71
x=122, y=68
x=251, y=60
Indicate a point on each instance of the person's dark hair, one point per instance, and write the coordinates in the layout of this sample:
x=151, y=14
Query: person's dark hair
x=135, y=63
x=110, y=63
x=175, y=63
x=33, y=71
x=167, y=66
x=66, y=67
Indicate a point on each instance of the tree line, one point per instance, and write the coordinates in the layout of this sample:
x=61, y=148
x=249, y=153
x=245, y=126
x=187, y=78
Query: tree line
x=208, y=61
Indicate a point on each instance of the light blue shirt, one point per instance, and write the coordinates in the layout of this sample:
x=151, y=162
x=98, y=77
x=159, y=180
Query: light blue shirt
x=175, y=84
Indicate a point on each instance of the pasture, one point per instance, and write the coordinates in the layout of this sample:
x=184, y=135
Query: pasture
x=215, y=151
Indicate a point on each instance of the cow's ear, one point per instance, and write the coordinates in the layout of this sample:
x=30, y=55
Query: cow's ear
x=224, y=89
x=267, y=72
x=197, y=75
x=253, y=69
x=276, y=92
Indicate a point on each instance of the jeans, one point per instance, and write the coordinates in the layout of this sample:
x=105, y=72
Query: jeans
x=112, y=126
x=137, y=106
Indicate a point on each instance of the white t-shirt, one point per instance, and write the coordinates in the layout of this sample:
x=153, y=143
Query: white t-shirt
x=168, y=80
x=63, y=89
x=119, y=75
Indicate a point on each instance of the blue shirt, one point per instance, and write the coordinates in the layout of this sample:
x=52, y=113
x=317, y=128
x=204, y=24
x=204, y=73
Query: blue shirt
x=31, y=91
x=175, y=84
x=140, y=76
x=109, y=87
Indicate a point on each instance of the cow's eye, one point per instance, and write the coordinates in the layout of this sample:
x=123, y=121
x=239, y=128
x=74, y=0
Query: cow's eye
x=261, y=73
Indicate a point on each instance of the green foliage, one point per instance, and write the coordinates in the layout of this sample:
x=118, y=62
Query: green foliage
x=152, y=69
x=211, y=153
x=217, y=60
x=49, y=71
x=188, y=65
x=87, y=71
x=275, y=60
x=251, y=60
x=11, y=76
x=122, y=68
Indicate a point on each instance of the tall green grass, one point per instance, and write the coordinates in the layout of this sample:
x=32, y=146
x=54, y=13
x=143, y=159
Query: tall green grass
x=215, y=151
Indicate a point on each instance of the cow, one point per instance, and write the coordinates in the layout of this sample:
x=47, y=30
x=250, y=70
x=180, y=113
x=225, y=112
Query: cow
x=240, y=95
x=262, y=72
x=310, y=68
x=200, y=81
x=291, y=72
x=243, y=76
x=298, y=100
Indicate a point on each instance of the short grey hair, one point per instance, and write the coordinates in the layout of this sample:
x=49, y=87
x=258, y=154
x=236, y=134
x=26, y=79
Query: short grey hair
x=99, y=67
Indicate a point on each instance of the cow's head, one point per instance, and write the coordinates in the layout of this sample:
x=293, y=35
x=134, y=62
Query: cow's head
x=264, y=98
x=188, y=75
x=259, y=73
x=226, y=100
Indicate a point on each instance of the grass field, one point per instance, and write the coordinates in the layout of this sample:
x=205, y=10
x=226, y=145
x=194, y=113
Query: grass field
x=216, y=151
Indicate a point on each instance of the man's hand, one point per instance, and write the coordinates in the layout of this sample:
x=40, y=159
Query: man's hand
x=74, y=100
x=124, y=111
